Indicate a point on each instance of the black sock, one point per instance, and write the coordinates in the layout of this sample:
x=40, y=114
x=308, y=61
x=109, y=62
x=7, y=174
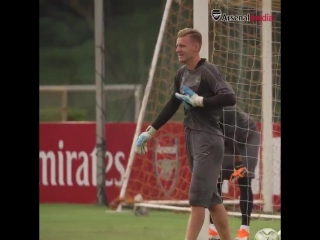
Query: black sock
x=246, y=199
x=219, y=186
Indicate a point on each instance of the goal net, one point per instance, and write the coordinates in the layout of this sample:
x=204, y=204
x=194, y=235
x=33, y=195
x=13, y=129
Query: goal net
x=162, y=176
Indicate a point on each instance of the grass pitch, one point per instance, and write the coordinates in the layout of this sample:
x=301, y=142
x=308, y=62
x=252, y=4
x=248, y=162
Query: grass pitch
x=85, y=222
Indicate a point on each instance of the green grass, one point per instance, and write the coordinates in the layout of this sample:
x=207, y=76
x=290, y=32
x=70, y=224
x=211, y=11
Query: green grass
x=87, y=222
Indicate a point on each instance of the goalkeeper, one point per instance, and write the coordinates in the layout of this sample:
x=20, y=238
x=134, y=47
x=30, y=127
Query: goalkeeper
x=242, y=142
x=204, y=93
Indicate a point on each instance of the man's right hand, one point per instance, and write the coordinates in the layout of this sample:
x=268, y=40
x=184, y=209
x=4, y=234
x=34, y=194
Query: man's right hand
x=143, y=139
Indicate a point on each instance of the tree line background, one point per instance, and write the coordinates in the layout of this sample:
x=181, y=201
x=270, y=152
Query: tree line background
x=67, y=40
x=67, y=56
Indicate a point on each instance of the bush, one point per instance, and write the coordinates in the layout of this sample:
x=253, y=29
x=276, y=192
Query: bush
x=54, y=115
x=67, y=31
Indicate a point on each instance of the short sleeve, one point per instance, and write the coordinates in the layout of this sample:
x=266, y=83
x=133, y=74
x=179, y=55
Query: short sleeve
x=217, y=83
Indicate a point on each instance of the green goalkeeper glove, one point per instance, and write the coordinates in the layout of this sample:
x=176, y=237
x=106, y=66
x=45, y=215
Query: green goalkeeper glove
x=143, y=139
x=190, y=97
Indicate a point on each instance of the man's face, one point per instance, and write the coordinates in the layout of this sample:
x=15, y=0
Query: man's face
x=186, y=49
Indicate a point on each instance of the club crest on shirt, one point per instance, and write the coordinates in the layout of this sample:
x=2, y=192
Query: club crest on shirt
x=197, y=80
x=166, y=163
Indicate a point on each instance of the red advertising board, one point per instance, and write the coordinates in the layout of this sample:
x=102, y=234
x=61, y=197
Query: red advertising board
x=67, y=162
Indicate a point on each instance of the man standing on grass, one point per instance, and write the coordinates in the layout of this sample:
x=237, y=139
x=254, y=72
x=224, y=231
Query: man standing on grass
x=204, y=93
x=242, y=143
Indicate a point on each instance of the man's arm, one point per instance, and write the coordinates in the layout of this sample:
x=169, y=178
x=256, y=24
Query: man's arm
x=229, y=118
x=224, y=94
x=229, y=140
x=167, y=112
x=239, y=169
x=170, y=108
x=232, y=145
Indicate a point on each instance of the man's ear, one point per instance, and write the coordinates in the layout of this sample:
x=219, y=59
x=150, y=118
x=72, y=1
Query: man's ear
x=197, y=46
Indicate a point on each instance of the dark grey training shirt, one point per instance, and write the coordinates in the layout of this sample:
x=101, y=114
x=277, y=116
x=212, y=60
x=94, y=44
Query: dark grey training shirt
x=207, y=81
x=237, y=124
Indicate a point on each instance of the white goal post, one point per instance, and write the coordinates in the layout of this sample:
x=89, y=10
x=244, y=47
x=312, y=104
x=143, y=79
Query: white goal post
x=200, y=22
x=145, y=99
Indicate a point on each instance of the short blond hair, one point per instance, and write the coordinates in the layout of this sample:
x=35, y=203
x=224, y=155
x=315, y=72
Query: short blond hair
x=194, y=34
